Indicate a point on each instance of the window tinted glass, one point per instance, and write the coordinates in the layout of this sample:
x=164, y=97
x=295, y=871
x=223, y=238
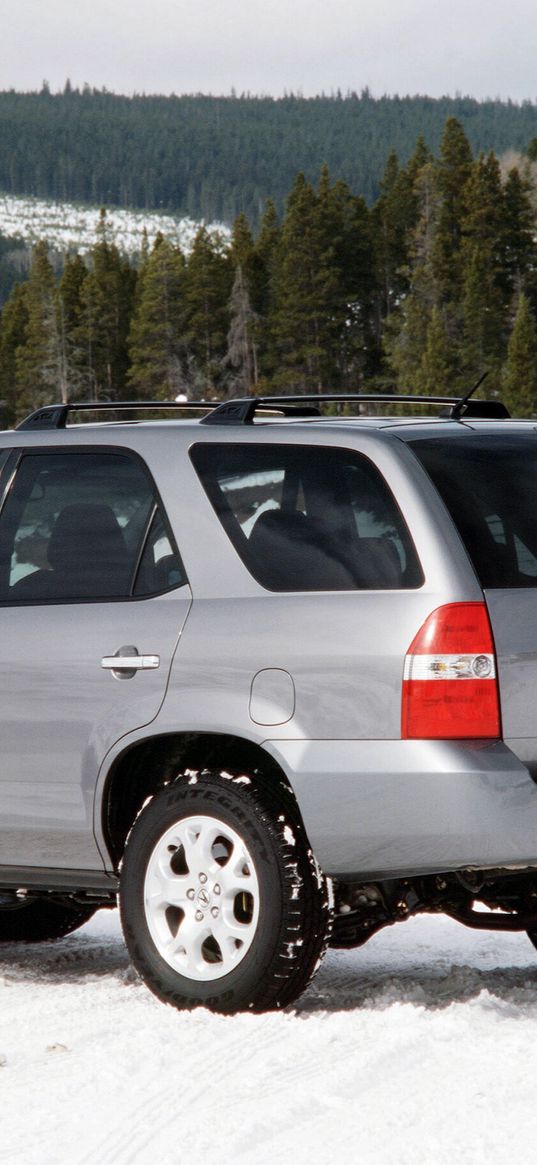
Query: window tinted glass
x=74, y=527
x=160, y=566
x=308, y=518
x=489, y=485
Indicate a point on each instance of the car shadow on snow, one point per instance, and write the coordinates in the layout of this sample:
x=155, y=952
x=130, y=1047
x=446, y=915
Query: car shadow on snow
x=70, y=960
x=421, y=983
x=345, y=982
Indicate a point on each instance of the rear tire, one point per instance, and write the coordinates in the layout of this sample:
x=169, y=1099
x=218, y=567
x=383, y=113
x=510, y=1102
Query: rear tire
x=222, y=903
x=38, y=920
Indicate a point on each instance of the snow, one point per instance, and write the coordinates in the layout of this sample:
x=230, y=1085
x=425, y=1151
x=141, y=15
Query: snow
x=416, y=1049
x=67, y=227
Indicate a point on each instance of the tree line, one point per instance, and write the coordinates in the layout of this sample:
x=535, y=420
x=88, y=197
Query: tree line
x=215, y=157
x=424, y=291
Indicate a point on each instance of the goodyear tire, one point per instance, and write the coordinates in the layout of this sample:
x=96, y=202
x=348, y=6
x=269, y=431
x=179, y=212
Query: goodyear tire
x=221, y=901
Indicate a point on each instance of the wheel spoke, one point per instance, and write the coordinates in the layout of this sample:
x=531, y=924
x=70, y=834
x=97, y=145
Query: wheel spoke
x=198, y=841
x=167, y=889
x=185, y=946
x=230, y=934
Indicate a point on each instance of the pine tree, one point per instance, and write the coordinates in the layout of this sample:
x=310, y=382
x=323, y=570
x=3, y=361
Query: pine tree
x=519, y=381
x=69, y=306
x=241, y=354
x=406, y=333
x=347, y=255
x=266, y=248
x=106, y=304
x=483, y=306
x=208, y=285
x=436, y=372
x=243, y=247
x=305, y=284
x=13, y=325
x=518, y=244
x=395, y=218
x=262, y=290
x=156, y=347
x=452, y=174
x=482, y=343
x=38, y=359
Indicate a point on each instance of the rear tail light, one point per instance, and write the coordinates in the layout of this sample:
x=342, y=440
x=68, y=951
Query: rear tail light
x=450, y=687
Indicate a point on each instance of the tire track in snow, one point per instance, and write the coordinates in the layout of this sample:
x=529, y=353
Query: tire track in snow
x=187, y=1095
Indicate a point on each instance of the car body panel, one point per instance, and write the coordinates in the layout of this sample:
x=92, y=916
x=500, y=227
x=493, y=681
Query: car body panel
x=61, y=713
x=386, y=809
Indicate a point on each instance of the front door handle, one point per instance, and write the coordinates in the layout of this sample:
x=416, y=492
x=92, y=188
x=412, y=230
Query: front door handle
x=127, y=661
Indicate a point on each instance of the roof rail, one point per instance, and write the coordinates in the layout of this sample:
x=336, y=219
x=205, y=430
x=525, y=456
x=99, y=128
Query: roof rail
x=55, y=416
x=242, y=411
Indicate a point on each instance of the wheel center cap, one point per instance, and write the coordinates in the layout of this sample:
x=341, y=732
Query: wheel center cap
x=203, y=899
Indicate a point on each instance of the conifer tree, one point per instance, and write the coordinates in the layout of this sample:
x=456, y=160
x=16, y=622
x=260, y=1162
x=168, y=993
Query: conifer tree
x=519, y=381
x=452, y=173
x=241, y=356
x=305, y=283
x=436, y=372
x=69, y=307
x=13, y=325
x=156, y=345
x=482, y=343
x=395, y=218
x=483, y=307
x=262, y=290
x=243, y=247
x=208, y=285
x=389, y=238
x=406, y=332
x=38, y=359
x=518, y=243
x=347, y=256
x=106, y=304
x=266, y=248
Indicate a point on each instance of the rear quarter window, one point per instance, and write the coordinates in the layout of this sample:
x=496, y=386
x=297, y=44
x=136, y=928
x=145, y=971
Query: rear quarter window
x=309, y=518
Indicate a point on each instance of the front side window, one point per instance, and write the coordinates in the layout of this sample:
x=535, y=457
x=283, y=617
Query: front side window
x=78, y=526
x=309, y=518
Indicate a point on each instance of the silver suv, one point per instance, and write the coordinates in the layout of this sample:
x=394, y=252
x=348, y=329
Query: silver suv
x=267, y=676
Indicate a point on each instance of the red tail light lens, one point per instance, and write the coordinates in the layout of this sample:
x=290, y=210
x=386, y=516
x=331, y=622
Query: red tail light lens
x=450, y=687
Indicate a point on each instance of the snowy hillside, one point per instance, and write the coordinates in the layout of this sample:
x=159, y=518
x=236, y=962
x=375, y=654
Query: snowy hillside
x=66, y=227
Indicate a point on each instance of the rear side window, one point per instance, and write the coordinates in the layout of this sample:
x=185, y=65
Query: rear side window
x=83, y=525
x=309, y=518
x=489, y=485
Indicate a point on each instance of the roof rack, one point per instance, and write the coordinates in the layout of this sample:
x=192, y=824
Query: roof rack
x=55, y=416
x=242, y=411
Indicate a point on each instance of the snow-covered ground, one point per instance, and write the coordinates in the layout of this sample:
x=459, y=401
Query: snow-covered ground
x=419, y=1049
x=66, y=227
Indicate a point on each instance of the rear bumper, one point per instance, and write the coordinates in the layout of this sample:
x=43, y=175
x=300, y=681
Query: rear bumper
x=395, y=808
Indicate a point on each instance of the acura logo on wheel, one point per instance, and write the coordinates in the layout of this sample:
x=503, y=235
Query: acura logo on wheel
x=203, y=899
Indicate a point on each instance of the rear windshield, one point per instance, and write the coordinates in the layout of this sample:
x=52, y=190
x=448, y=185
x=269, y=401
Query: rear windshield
x=489, y=485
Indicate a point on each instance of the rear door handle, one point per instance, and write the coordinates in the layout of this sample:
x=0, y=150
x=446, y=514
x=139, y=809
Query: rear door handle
x=127, y=661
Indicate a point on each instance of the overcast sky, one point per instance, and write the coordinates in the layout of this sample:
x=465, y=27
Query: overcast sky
x=484, y=48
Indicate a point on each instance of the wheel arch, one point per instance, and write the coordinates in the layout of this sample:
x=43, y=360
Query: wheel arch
x=148, y=765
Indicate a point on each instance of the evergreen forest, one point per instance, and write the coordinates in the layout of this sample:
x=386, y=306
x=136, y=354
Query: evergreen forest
x=423, y=291
x=213, y=158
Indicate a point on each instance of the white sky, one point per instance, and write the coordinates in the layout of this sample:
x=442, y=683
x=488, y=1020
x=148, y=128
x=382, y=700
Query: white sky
x=476, y=47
